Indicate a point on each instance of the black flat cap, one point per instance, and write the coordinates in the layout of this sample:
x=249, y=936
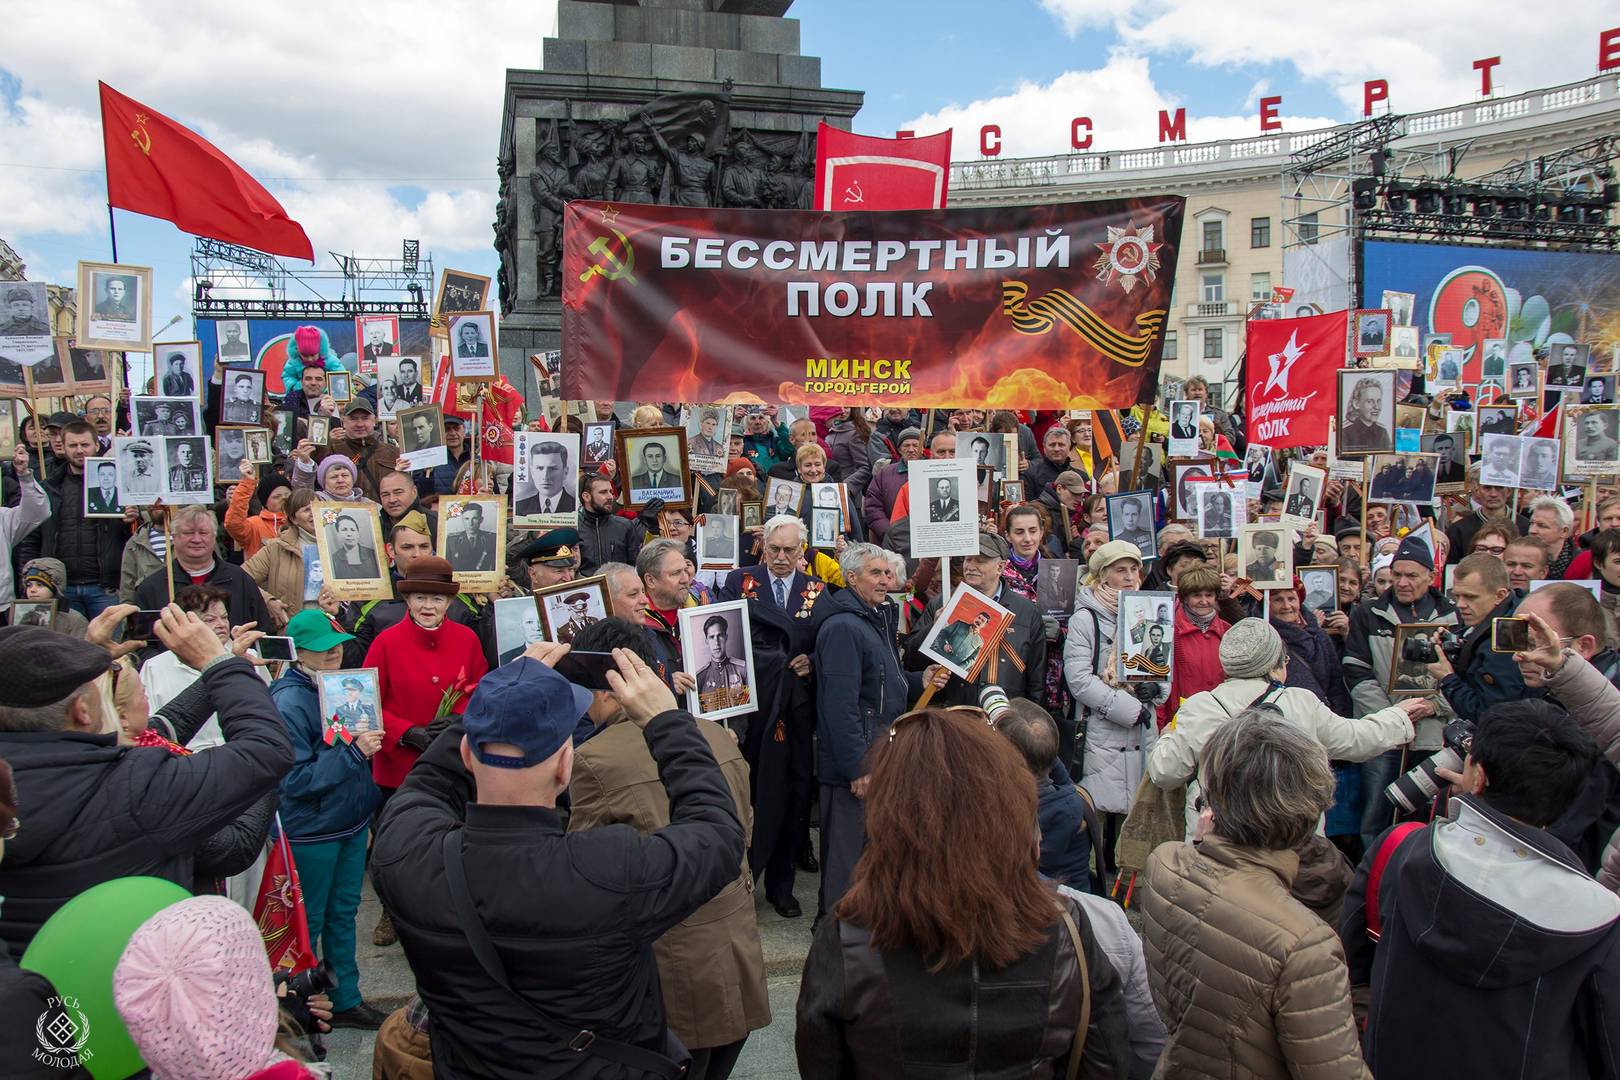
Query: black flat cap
x=57, y=665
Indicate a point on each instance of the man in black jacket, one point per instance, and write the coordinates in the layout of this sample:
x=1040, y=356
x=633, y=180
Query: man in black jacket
x=576, y=940
x=194, y=533
x=1485, y=914
x=96, y=810
x=603, y=535
x=92, y=549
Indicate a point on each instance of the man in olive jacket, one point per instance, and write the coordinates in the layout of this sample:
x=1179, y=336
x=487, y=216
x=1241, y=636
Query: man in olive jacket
x=572, y=917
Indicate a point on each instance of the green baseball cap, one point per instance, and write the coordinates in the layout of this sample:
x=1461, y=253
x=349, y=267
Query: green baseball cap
x=314, y=630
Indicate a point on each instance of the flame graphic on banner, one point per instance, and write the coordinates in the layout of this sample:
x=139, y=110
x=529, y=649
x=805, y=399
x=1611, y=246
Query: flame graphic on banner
x=1038, y=316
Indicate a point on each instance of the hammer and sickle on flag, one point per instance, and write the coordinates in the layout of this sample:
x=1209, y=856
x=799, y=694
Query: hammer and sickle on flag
x=1034, y=317
x=140, y=136
x=611, y=264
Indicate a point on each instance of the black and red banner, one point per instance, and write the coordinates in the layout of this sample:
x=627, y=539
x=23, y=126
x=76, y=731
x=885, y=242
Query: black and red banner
x=1055, y=306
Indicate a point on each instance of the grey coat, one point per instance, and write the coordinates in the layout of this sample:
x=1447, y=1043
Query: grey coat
x=1595, y=704
x=1117, y=739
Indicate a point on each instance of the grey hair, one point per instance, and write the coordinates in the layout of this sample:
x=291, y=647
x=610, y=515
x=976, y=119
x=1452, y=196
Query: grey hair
x=653, y=552
x=856, y=556
x=1267, y=781
x=608, y=570
x=1560, y=508
x=897, y=563
x=186, y=513
x=785, y=521
x=52, y=717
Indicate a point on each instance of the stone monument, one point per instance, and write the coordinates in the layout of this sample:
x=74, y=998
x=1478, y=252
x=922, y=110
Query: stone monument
x=682, y=102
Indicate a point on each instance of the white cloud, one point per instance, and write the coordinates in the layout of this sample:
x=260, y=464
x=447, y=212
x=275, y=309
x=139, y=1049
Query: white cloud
x=1120, y=97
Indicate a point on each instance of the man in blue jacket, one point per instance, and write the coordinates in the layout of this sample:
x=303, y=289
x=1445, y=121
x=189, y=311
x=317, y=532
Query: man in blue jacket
x=860, y=689
x=1480, y=677
x=327, y=800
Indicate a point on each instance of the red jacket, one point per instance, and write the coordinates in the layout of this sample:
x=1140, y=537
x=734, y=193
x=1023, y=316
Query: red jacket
x=250, y=533
x=414, y=669
x=1197, y=664
x=1580, y=567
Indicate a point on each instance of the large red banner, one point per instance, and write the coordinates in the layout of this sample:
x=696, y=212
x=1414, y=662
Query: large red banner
x=1054, y=306
x=867, y=172
x=1289, y=378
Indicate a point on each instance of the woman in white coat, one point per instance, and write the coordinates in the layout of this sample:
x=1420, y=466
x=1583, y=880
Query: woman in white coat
x=1255, y=663
x=1116, y=720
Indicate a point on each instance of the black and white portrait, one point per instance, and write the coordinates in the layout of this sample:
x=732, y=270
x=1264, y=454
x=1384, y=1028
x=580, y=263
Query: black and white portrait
x=244, y=396
x=1592, y=441
x=1447, y=369
x=1497, y=420
x=166, y=416
x=25, y=323
x=187, y=460
x=1055, y=582
x=114, y=307
x=91, y=369
x=988, y=450
x=1184, y=429
x=1366, y=412
x=1304, y=494
x=1499, y=460
x=1372, y=332
x=944, y=500
x=1402, y=478
x=421, y=428
x=377, y=336
x=1403, y=344
x=1266, y=555
x=517, y=626
x=399, y=384
x=708, y=438
x=1216, y=520
x=1450, y=456
x=1185, y=474
x=717, y=541
x=460, y=291
x=1400, y=305
x=1130, y=518
x=472, y=345
x=1321, y=588
x=1145, y=636
x=1566, y=365
x=1493, y=359
x=1538, y=463
x=178, y=368
x=1522, y=378
x=471, y=534
x=50, y=375
x=719, y=658
x=33, y=612
x=233, y=344
x=340, y=386
x=258, y=445
x=783, y=496
x=230, y=450
x=655, y=461
x=351, y=543
x=140, y=476
x=544, y=489
x=319, y=430
x=568, y=609
x=823, y=528
x=101, y=497
x=598, y=442
x=1599, y=390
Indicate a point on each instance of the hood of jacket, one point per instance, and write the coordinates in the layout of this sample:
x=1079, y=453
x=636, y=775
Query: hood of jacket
x=1474, y=897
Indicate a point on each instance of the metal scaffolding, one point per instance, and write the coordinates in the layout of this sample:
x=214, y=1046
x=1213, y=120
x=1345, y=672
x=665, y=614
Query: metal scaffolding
x=229, y=281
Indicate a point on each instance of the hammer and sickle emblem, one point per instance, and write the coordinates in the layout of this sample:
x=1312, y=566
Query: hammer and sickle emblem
x=611, y=264
x=139, y=135
x=853, y=194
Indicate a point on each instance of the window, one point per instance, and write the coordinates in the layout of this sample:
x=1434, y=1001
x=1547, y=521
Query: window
x=1169, y=345
x=1259, y=232
x=1309, y=228
x=1259, y=286
x=1212, y=343
x=1212, y=235
x=1214, y=288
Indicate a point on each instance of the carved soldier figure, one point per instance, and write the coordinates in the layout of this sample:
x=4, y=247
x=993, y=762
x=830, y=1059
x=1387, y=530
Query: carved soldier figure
x=635, y=175
x=503, y=240
x=591, y=177
x=694, y=173
x=744, y=181
x=549, y=185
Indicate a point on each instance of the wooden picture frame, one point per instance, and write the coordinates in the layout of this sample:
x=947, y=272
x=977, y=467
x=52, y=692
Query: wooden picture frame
x=1408, y=678
x=673, y=471
x=561, y=619
x=96, y=323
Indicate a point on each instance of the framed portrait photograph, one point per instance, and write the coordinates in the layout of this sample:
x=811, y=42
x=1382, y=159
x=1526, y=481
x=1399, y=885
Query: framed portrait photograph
x=459, y=290
x=1598, y=390
x=1321, y=587
x=1402, y=478
x=1538, y=463
x=340, y=387
x=1370, y=331
x=653, y=461
x=727, y=501
x=833, y=496
x=944, y=507
x=1146, y=634
x=1183, y=441
x=753, y=515
x=165, y=416
x=1010, y=492
x=1303, y=496
x=1366, y=411
x=284, y=428
x=1411, y=678
x=719, y=656
x=49, y=377
x=375, y=336
x=517, y=626
x=177, y=367
x=1130, y=518
x=399, y=385
x=1256, y=460
x=823, y=528
x=1493, y=358
x=421, y=437
x=33, y=613
x=89, y=369
x=708, y=438
x=1219, y=509
x=1499, y=460
x=350, y=703
x=1182, y=475
x=140, y=475
x=599, y=443
x=1399, y=305
x=472, y=538
x=258, y=445
x=1445, y=371
x=1403, y=347
x=1566, y=365
x=243, y=396
x=101, y=498
x=320, y=430
x=472, y=345
x=230, y=451
x=1410, y=417
x=1450, y=450
x=966, y=633
x=719, y=541
x=25, y=323
x=1055, y=583
x=1494, y=420
x=348, y=538
x=1591, y=440
x=1523, y=379
x=231, y=343
x=1266, y=554
x=114, y=307
x=989, y=450
x=545, y=487
x=783, y=496
x=189, y=466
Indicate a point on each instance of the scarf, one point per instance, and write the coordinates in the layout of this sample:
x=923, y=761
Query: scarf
x=1107, y=597
x=1203, y=622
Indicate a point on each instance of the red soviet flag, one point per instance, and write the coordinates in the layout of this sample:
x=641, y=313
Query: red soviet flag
x=1289, y=378
x=865, y=172
x=157, y=167
x=279, y=910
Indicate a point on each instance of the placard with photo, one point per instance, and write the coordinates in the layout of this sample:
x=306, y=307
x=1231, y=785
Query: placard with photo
x=243, y=400
x=598, y=442
x=1303, y=497
x=1321, y=585
x=231, y=344
x=719, y=657
x=178, y=369
x=459, y=290
x=708, y=438
x=49, y=377
x=230, y=452
x=1402, y=478
x=1266, y=554
x=989, y=450
x=1412, y=678
x=1146, y=630
x=718, y=541
x=1010, y=492
x=340, y=387
x=1403, y=348
x=320, y=430
x=1591, y=440
x=783, y=496
x=833, y=496
x=350, y=703
x=1182, y=473
x=399, y=385
x=1370, y=332
x=753, y=515
x=1493, y=420
x=1221, y=509
x=1400, y=306
x=1566, y=365
x=1055, y=584
x=472, y=345
x=1183, y=442
x=1493, y=359
x=1499, y=460
x=652, y=465
x=100, y=486
x=1446, y=370
x=1130, y=518
x=377, y=336
x=1366, y=411
x=969, y=627
x=25, y=323
x=114, y=307
x=349, y=540
x=823, y=529
x=165, y=416
x=472, y=538
x=1523, y=378
x=258, y=446
x=517, y=626
x=1599, y=390
x=1538, y=463
x=89, y=369
x=1450, y=459
x=1256, y=460
x=944, y=517
x=421, y=438
x=189, y=476
x=140, y=469
x=569, y=607
x=545, y=485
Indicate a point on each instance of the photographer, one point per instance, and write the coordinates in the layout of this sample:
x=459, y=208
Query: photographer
x=1476, y=677
x=1486, y=926
x=1369, y=656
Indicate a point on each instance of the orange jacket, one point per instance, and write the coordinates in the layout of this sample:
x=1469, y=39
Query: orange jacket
x=250, y=532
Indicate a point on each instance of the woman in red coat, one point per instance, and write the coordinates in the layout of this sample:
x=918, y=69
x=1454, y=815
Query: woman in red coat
x=1197, y=653
x=419, y=660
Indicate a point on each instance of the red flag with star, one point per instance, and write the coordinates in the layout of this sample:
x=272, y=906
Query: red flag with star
x=1289, y=378
x=279, y=910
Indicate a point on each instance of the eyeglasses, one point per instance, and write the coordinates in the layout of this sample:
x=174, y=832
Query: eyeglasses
x=1491, y=549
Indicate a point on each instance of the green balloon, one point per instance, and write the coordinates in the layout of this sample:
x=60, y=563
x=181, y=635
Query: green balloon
x=77, y=949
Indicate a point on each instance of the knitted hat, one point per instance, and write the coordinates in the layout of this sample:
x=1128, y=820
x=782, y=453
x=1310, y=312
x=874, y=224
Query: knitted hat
x=308, y=341
x=738, y=464
x=334, y=461
x=1111, y=553
x=195, y=991
x=1414, y=550
x=1251, y=649
x=52, y=573
x=268, y=483
x=908, y=433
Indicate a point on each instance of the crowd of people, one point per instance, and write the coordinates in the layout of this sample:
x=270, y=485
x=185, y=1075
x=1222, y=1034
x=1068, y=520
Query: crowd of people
x=1333, y=831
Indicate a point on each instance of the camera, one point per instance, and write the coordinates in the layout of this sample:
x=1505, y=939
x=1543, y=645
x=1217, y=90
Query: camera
x=993, y=700
x=1420, y=650
x=1422, y=783
x=319, y=979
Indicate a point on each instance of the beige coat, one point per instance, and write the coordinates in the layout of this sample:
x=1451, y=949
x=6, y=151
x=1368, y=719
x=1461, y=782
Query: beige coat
x=711, y=967
x=278, y=568
x=1250, y=984
x=1175, y=758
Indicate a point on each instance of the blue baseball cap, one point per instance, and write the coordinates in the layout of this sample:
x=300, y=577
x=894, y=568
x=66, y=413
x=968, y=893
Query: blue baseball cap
x=523, y=704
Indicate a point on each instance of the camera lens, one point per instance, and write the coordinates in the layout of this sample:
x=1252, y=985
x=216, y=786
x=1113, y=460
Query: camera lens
x=1423, y=782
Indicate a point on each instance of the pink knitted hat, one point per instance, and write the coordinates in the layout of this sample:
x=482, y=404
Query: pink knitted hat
x=195, y=990
x=308, y=340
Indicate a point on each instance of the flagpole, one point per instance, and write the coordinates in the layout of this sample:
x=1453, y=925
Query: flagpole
x=112, y=231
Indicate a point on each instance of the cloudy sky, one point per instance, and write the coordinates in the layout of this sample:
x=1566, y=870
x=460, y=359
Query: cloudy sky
x=373, y=122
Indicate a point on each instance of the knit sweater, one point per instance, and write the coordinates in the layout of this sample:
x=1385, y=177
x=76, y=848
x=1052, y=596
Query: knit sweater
x=414, y=669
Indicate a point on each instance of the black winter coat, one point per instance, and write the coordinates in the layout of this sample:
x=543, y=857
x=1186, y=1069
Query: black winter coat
x=607, y=538
x=572, y=915
x=246, y=601
x=110, y=533
x=95, y=810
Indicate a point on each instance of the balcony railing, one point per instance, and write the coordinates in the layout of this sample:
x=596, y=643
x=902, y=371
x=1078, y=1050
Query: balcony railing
x=1212, y=309
x=1211, y=256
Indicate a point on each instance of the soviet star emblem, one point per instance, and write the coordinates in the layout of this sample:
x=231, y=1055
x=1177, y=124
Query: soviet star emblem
x=1129, y=253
